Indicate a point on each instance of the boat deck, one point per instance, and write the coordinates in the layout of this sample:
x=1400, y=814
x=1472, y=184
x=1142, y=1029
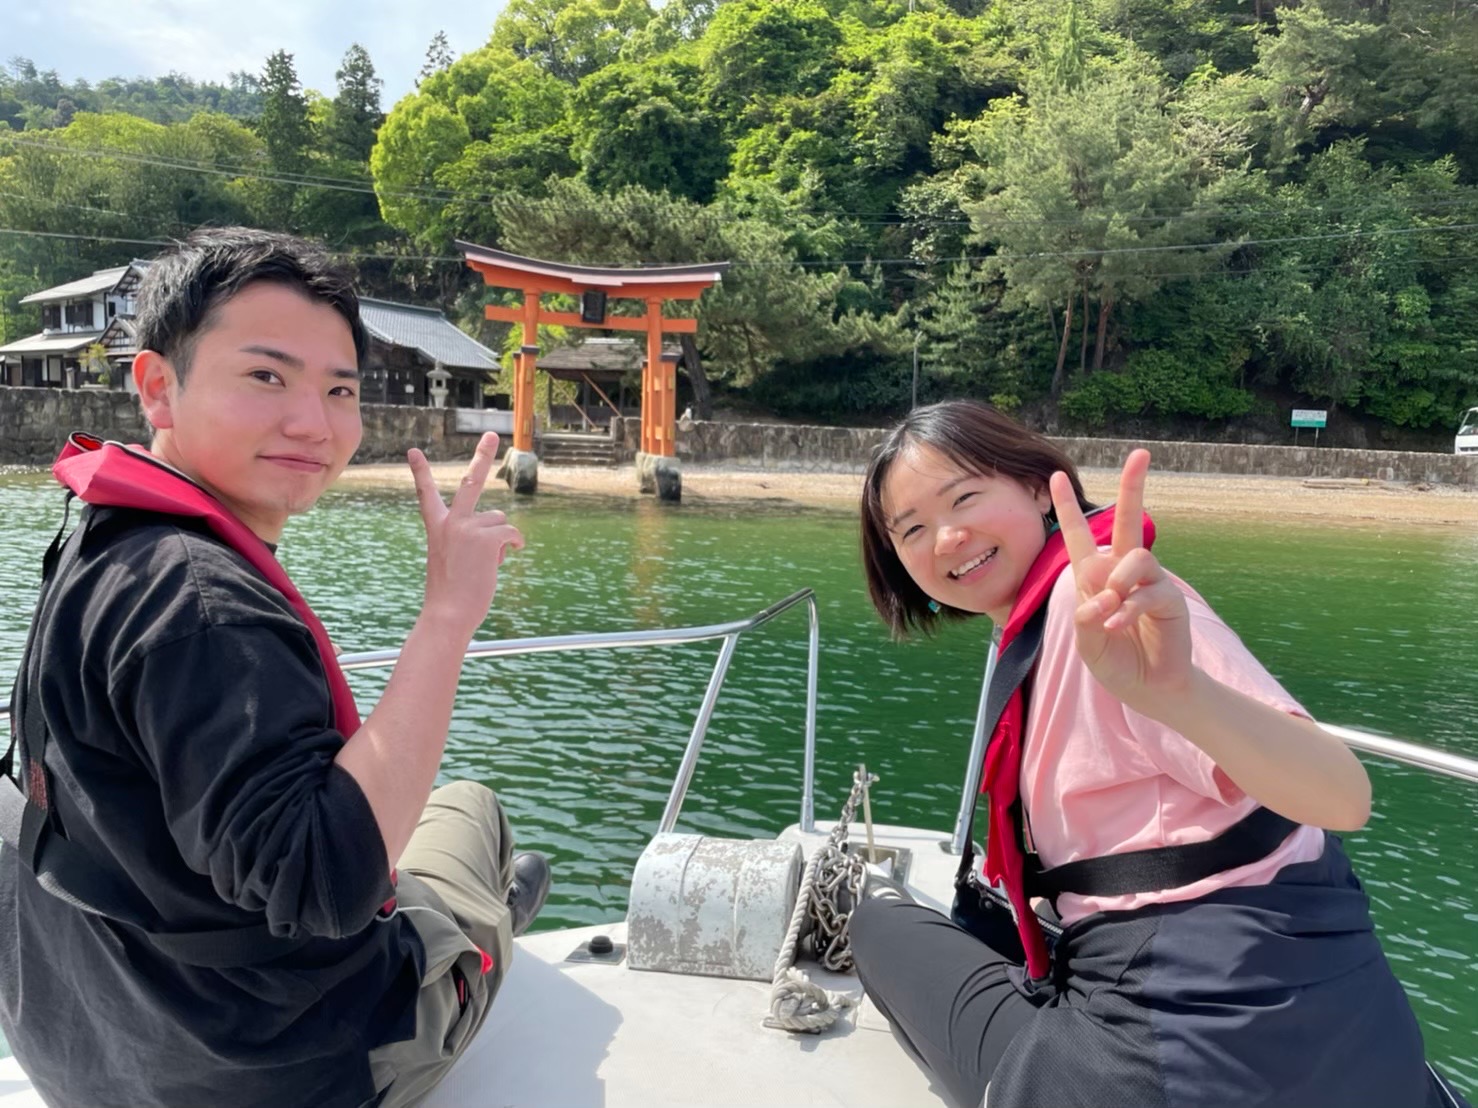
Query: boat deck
x=568, y=1034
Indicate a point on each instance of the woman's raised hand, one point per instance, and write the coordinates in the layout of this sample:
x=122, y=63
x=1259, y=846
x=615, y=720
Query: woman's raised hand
x=1133, y=629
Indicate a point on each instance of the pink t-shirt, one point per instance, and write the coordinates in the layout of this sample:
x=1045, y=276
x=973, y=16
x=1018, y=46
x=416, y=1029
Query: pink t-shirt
x=1098, y=778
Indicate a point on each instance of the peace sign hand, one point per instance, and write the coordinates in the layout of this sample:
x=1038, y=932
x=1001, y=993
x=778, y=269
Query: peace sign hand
x=464, y=547
x=1132, y=625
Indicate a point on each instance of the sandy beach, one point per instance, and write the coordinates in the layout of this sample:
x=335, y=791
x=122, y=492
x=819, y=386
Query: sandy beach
x=1344, y=501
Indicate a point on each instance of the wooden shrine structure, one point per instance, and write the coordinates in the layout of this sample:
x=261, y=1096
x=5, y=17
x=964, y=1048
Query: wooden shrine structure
x=594, y=287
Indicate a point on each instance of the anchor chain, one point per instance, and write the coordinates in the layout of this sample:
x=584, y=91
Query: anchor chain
x=796, y=1003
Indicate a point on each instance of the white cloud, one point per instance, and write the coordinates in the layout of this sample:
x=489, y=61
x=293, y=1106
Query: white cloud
x=206, y=39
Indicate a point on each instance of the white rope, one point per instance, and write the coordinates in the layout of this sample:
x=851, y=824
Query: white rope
x=796, y=1003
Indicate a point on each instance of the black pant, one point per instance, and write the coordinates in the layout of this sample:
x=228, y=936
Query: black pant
x=945, y=993
x=1143, y=1012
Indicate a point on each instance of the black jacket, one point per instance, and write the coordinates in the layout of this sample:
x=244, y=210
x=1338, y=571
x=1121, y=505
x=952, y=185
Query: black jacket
x=191, y=748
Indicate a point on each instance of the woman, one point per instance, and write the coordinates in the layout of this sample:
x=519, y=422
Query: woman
x=1156, y=782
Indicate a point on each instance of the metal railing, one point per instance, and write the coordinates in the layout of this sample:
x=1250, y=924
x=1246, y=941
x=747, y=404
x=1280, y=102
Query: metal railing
x=1436, y=761
x=1395, y=750
x=611, y=640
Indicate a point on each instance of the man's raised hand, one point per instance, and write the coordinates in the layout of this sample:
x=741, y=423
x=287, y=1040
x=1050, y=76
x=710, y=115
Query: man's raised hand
x=464, y=547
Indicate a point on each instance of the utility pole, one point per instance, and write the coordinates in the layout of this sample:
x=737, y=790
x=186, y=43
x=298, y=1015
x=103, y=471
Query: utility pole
x=917, y=335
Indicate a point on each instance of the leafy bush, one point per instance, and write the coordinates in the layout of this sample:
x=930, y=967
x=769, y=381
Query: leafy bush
x=1164, y=382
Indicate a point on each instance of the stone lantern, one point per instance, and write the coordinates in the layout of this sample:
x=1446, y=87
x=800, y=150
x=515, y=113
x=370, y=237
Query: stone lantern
x=437, y=379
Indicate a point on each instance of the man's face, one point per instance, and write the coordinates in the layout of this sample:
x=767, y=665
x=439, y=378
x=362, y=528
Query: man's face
x=268, y=415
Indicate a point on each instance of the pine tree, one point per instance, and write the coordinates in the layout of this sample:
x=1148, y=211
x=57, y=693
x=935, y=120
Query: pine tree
x=356, y=111
x=284, y=129
x=1068, y=60
x=438, y=56
x=284, y=121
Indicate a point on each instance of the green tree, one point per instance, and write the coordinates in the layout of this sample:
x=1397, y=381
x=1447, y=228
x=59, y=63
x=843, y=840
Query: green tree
x=487, y=125
x=643, y=124
x=767, y=309
x=85, y=180
x=673, y=25
x=16, y=321
x=356, y=114
x=969, y=346
x=1374, y=305
x=287, y=136
x=569, y=39
x=756, y=51
x=1095, y=194
x=1319, y=67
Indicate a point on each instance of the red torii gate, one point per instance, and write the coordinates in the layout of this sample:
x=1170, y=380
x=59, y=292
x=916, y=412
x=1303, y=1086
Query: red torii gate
x=594, y=285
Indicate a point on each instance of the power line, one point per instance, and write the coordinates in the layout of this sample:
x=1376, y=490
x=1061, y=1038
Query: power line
x=867, y=262
x=169, y=160
x=1161, y=213
x=140, y=159
x=62, y=204
x=358, y=184
x=84, y=238
x=1202, y=214
x=363, y=187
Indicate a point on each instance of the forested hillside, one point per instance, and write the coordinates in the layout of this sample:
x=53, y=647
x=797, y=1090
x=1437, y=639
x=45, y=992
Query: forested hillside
x=1179, y=216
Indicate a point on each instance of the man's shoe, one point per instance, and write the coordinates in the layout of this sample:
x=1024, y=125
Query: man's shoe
x=528, y=890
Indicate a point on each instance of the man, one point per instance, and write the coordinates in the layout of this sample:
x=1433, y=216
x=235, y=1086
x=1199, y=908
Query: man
x=219, y=887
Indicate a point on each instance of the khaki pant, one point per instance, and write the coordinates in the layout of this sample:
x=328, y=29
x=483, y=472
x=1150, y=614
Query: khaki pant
x=452, y=883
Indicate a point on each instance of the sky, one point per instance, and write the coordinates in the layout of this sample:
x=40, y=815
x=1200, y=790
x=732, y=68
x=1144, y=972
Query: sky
x=207, y=39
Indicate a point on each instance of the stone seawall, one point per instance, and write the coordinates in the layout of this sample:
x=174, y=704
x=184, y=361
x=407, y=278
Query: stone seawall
x=847, y=450
x=34, y=423
x=1282, y=461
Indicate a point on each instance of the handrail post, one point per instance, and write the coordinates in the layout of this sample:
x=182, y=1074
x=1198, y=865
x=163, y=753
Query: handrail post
x=695, y=740
x=813, y=665
x=973, y=767
x=1441, y=762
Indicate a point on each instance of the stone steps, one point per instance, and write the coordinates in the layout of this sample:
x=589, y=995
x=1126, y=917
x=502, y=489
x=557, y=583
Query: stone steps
x=577, y=450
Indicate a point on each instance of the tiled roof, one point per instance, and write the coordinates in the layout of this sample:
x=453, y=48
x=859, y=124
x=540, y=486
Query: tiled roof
x=606, y=355
x=101, y=281
x=52, y=344
x=426, y=330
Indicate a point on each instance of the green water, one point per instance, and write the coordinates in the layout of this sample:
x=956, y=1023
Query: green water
x=1368, y=627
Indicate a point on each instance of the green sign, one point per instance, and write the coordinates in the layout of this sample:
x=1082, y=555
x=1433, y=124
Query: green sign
x=1309, y=417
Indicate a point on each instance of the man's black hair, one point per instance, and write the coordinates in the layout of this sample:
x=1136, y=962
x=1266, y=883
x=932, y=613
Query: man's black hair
x=183, y=287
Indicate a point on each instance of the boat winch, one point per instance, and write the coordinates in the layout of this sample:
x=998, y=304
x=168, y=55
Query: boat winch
x=710, y=906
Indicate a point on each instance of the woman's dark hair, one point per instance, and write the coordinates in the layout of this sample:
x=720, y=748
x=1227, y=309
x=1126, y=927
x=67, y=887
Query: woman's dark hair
x=978, y=439
x=184, y=287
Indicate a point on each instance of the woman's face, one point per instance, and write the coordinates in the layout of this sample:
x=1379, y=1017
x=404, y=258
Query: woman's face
x=966, y=539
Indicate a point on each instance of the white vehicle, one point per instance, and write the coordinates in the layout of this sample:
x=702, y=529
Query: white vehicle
x=1467, y=434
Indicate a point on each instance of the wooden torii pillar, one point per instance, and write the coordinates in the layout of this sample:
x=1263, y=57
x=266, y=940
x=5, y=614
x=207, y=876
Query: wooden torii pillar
x=595, y=286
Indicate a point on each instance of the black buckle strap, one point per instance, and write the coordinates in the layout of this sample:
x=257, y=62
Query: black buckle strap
x=1250, y=839
x=48, y=567
x=70, y=874
x=67, y=871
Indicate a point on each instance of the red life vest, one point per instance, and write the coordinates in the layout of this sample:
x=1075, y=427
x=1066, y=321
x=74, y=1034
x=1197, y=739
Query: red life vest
x=114, y=476
x=1005, y=861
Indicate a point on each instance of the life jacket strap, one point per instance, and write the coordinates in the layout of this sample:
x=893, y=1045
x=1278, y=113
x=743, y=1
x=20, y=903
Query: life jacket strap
x=67, y=871
x=1249, y=840
x=1013, y=667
